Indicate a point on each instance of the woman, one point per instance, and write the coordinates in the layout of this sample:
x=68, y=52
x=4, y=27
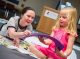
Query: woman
x=19, y=26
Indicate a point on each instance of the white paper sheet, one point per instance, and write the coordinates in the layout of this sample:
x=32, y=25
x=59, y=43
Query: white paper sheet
x=50, y=14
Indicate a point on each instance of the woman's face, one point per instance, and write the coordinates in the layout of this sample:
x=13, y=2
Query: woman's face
x=63, y=19
x=28, y=17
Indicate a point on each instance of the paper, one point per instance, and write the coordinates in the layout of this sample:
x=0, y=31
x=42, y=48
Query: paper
x=79, y=21
x=50, y=14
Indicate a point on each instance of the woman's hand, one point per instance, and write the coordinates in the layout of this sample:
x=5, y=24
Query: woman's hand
x=16, y=42
x=27, y=32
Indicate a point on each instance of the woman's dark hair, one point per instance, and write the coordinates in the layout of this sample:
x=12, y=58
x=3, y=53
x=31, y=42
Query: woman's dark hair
x=25, y=9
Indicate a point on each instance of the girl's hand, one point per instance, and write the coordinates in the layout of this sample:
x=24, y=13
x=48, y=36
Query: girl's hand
x=57, y=50
x=60, y=53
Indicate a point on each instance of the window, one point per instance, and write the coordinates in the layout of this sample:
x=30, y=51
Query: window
x=14, y=1
x=79, y=20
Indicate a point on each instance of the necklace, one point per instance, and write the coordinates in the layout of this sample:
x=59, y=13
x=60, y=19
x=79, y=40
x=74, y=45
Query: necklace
x=21, y=27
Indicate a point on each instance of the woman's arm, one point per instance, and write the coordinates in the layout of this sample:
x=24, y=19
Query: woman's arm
x=13, y=34
x=16, y=35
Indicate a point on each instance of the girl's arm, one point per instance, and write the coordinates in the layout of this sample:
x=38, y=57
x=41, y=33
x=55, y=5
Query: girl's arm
x=69, y=47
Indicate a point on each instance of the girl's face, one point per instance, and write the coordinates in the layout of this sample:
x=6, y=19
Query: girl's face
x=28, y=17
x=63, y=19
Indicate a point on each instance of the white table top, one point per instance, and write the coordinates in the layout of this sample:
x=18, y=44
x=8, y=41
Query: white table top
x=3, y=20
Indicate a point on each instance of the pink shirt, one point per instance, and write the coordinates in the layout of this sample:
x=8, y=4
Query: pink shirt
x=62, y=36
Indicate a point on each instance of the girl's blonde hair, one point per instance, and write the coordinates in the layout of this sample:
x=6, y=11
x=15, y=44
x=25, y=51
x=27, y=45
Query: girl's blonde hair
x=72, y=16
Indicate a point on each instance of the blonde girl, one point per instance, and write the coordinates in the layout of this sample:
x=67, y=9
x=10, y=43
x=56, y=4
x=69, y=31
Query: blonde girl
x=64, y=31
